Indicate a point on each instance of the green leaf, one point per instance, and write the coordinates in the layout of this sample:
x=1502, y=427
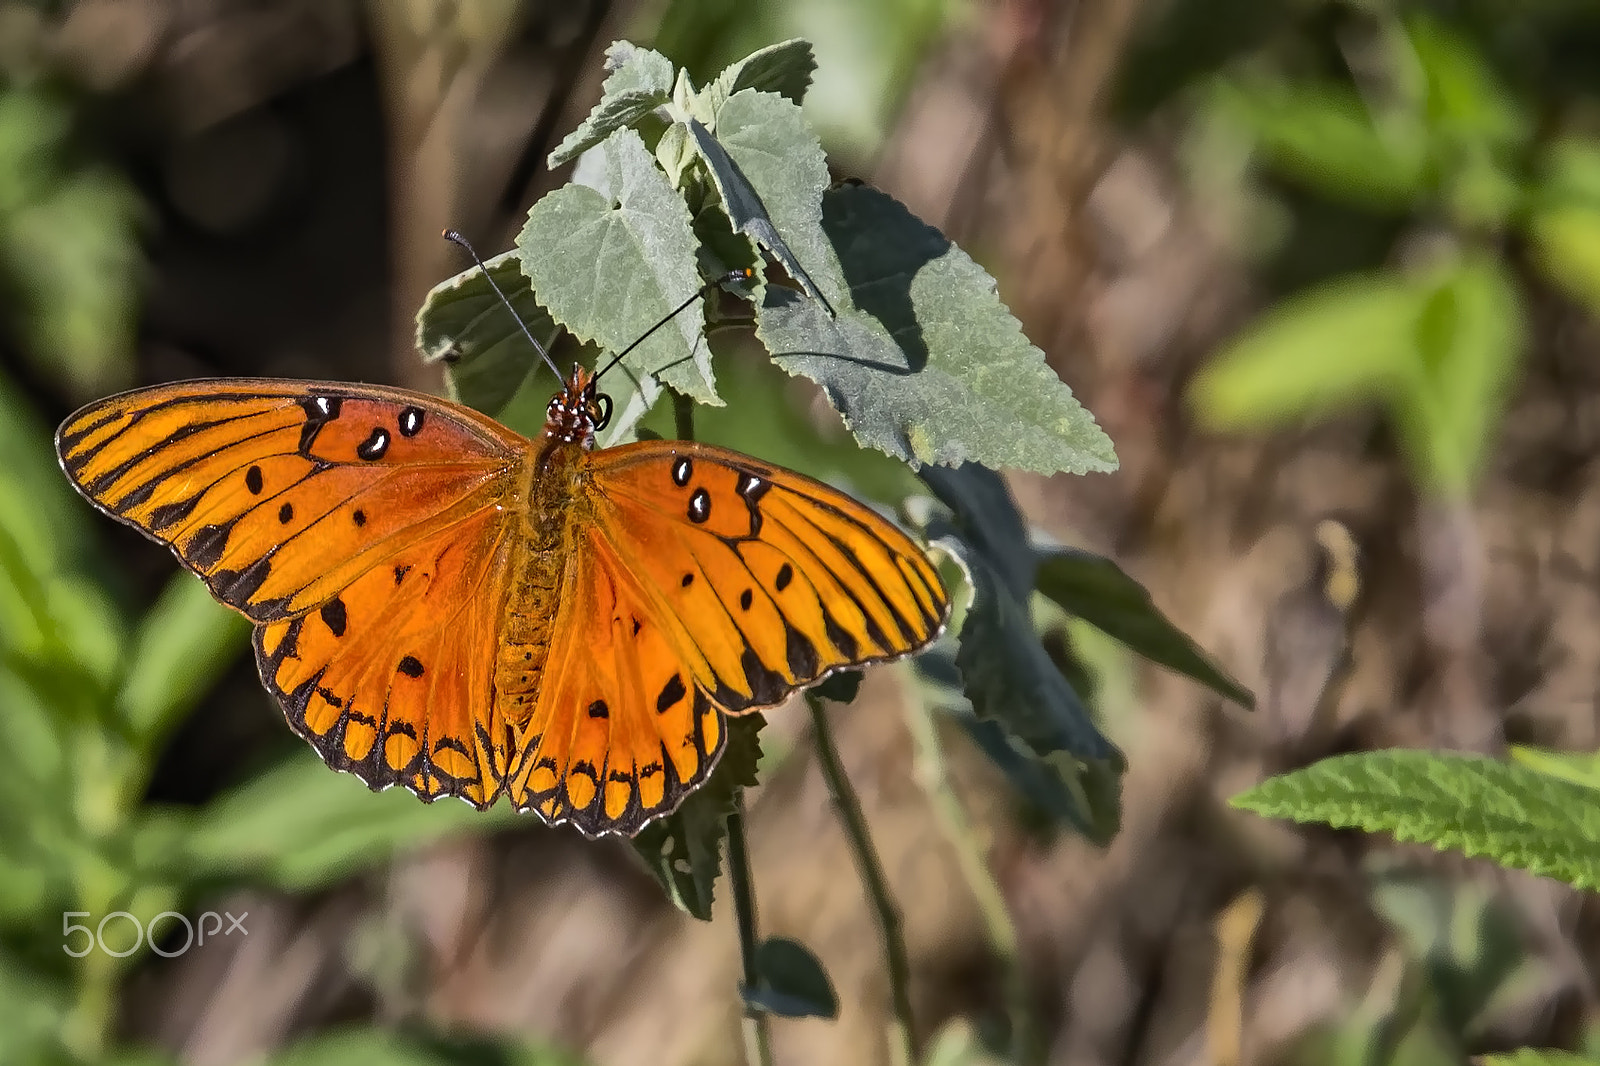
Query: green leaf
x=1325, y=137
x=922, y=358
x=1096, y=590
x=684, y=849
x=745, y=211
x=1518, y=817
x=53, y=508
x=33, y=1012
x=464, y=323
x=182, y=645
x=1006, y=673
x=784, y=68
x=1347, y=342
x=1566, y=240
x=1469, y=338
x=1578, y=767
x=640, y=81
x=610, y=264
x=300, y=826
x=790, y=982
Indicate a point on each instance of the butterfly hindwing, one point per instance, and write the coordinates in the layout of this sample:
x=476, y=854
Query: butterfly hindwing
x=620, y=733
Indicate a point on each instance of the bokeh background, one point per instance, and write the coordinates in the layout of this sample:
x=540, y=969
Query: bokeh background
x=1327, y=272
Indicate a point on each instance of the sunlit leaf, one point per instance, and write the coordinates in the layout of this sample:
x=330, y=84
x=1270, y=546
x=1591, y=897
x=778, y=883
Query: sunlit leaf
x=1516, y=816
x=639, y=82
x=921, y=357
x=784, y=68
x=609, y=266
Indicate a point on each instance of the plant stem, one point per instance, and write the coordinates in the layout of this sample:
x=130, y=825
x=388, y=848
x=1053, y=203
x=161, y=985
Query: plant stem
x=933, y=776
x=682, y=415
x=902, y=1036
x=757, y=1035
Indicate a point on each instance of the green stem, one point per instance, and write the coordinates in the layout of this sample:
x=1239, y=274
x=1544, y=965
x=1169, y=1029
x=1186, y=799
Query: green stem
x=902, y=1037
x=682, y=414
x=757, y=1035
x=932, y=774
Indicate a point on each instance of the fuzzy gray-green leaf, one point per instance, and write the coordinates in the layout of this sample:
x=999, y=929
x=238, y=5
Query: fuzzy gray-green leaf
x=640, y=81
x=921, y=357
x=610, y=265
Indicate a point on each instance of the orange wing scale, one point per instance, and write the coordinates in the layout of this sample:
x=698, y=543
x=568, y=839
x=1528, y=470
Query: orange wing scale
x=434, y=611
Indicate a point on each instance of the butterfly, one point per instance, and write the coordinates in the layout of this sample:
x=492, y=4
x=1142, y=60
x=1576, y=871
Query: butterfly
x=443, y=604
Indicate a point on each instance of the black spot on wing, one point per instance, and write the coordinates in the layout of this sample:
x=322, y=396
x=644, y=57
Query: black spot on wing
x=671, y=693
x=400, y=573
x=253, y=480
x=747, y=598
x=286, y=514
x=334, y=617
x=374, y=446
x=785, y=575
x=320, y=410
x=411, y=666
x=699, y=506
x=359, y=517
x=598, y=709
x=682, y=471
x=411, y=420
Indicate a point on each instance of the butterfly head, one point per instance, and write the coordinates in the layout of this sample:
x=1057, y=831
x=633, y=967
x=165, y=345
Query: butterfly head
x=578, y=411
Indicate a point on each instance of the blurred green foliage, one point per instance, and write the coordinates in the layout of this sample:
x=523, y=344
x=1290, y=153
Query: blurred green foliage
x=1453, y=141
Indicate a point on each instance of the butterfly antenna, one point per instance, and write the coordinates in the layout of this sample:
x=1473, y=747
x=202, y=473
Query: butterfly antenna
x=455, y=238
x=746, y=274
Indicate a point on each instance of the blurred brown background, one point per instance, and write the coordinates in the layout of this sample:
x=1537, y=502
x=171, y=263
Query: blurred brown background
x=228, y=187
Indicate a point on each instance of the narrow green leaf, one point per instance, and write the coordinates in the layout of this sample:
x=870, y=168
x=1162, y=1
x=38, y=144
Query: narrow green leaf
x=791, y=982
x=1097, y=591
x=640, y=81
x=923, y=360
x=486, y=356
x=784, y=68
x=1518, y=817
x=1581, y=768
x=609, y=265
x=182, y=645
x=300, y=826
x=1351, y=341
x=684, y=849
x=1085, y=794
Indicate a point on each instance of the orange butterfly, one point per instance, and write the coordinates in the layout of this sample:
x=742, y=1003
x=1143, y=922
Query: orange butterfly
x=446, y=605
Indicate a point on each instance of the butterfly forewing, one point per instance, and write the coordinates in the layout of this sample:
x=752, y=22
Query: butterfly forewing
x=361, y=527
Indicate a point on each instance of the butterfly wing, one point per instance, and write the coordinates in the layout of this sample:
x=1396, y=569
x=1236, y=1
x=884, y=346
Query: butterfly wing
x=359, y=527
x=619, y=734
x=704, y=582
x=766, y=579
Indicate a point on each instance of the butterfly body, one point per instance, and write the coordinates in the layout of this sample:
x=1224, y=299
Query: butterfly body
x=443, y=604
